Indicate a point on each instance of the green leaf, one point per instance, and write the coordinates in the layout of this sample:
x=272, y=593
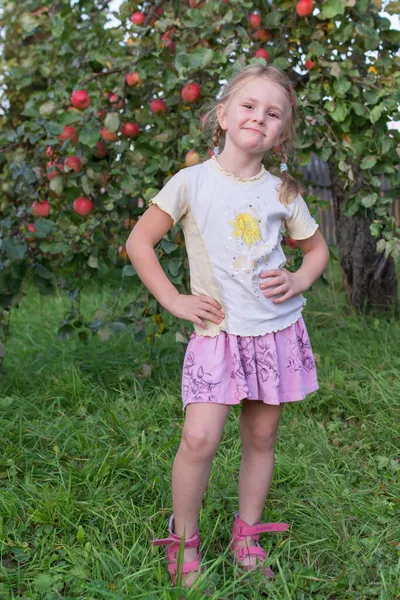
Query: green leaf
x=93, y=262
x=369, y=200
x=351, y=207
x=331, y=8
x=57, y=185
x=15, y=249
x=80, y=536
x=90, y=134
x=375, y=229
x=369, y=161
x=393, y=8
x=44, y=226
x=43, y=272
x=57, y=26
x=281, y=63
x=194, y=60
x=376, y=113
x=340, y=112
x=342, y=85
x=316, y=49
x=112, y=122
x=128, y=271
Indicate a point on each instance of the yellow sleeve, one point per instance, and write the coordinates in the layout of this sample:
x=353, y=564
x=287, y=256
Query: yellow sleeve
x=300, y=224
x=174, y=197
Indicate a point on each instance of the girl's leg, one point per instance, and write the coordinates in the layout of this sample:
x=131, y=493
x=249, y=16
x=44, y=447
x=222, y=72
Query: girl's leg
x=258, y=430
x=201, y=436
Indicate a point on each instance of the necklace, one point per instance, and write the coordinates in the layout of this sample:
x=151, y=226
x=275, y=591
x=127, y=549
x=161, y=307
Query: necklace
x=254, y=178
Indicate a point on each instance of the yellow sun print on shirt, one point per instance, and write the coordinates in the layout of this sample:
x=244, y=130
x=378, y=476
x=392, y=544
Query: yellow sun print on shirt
x=246, y=227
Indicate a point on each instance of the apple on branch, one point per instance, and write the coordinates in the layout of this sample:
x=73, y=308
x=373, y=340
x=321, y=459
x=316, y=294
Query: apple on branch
x=82, y=206
x=254, y=20
x=304, y=7
x=41, y=209
x=80, y=99
x=68, y=133
x=158, y=106
x=191, y=92
x=130, y=130
x=137, y=18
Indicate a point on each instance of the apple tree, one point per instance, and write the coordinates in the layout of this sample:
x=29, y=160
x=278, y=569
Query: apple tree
x=96, y=116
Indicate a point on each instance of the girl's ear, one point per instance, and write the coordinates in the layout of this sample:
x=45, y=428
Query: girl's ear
x=221, y=116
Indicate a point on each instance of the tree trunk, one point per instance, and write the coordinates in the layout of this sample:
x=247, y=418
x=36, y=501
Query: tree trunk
x=369, y=278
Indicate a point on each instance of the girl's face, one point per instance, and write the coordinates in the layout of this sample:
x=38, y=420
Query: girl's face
x=254, y=118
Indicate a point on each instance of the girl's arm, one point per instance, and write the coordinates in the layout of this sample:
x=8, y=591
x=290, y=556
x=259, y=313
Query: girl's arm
x=148, y=231
x=316, y=256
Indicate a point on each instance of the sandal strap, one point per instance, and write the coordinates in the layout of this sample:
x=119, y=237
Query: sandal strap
x=174, y=541
x=248, y=551
x=186, y=567
x=254, y=531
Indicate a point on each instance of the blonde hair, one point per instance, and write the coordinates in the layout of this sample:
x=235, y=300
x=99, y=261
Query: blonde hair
x=289, y=188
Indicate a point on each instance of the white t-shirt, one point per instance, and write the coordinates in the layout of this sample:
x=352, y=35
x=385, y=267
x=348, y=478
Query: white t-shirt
x=233, y=229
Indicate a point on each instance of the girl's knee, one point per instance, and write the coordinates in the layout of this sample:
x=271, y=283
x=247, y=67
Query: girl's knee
x=199, y=442
x=258, y=436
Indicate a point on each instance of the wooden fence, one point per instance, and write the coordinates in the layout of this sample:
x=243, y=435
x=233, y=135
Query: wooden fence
x=317, y=181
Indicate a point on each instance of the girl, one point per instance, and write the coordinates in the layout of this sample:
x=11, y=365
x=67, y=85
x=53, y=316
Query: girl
x=250, y=343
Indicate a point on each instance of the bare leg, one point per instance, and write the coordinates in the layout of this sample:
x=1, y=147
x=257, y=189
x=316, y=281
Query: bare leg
x=258, y=429
x=201, y=436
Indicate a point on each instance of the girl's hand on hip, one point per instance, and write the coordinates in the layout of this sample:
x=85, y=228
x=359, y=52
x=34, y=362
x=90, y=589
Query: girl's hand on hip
x=288, y=284
x=195, y=308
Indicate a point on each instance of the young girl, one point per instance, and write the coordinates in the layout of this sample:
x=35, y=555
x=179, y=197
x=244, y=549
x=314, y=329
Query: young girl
x=250, y=343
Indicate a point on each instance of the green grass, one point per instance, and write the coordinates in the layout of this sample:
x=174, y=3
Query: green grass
x=87, y=444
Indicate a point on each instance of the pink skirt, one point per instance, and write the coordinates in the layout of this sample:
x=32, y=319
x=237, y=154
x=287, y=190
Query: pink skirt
x=274, y=368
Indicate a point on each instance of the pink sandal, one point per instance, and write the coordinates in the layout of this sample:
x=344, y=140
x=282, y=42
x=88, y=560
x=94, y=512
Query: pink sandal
x=173, y=543
x=240, y=531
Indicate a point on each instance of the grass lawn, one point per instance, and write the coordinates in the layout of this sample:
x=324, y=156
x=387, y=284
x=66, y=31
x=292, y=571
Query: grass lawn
x=87, y=444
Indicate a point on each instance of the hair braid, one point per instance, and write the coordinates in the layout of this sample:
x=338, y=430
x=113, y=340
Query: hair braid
x=218, y=132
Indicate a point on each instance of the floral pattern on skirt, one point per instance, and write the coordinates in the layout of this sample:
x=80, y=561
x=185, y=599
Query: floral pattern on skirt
x=274, y=368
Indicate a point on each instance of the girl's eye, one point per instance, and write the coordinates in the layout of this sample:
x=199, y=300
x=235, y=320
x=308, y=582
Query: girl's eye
x=247, y=105
x=273, y=114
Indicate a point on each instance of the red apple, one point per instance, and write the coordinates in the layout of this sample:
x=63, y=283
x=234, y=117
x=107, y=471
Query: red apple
x=137, y=18
x=254, y=20
x=133, y=79
x=196, y=3
x=54, y=168
x=130, y=130
x=41, y=209
x=69, y=133
x=73, y=163
x=32, y=229
x=101, y=150
x=310, y=64
x=158, y=106
x=262, y=35
x=166, y=39
x=101, y=113
x=192, y=158
x=291, y=243
x=83, y=206
x=304, y=7
x=108, y=136
x=80, y=99
x=210, y=152
x=261, y=53
x=49, y=151
x=191, y=92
